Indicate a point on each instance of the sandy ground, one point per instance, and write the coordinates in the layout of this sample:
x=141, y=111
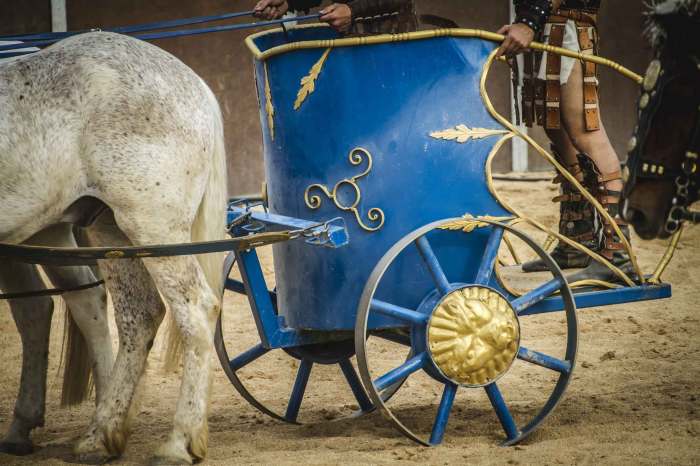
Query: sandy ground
x=633, y=398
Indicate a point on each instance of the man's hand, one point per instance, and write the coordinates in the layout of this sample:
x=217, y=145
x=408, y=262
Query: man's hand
x=271, y=9
x=338, y=15
x=518, y=38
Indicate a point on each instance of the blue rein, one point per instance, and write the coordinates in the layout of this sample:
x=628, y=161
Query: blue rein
x=45, y=39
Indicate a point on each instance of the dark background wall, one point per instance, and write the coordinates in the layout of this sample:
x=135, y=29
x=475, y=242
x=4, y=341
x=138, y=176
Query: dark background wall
x=225, y=64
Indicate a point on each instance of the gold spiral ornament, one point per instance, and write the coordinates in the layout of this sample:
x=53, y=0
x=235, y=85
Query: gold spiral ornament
x=473, y=336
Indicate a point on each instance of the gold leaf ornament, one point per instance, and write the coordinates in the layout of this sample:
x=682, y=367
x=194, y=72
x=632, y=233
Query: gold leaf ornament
x=463, y=133
x=308, y=83
x=469, y=223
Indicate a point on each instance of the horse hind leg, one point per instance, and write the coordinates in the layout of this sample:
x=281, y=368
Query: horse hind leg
x=138, y=312
x=88, y=352
x=195, y=309
x=33, y=319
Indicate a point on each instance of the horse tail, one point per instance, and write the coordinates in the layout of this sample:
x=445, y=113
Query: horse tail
x=77, y=365
x=78, y=382
x=209, y=224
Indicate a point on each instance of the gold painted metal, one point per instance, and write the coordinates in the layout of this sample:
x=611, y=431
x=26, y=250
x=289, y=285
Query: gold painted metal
x=473, y=336
x=631, y=144
x=420, y=35
x=269, y=107
x=652, y=75
x=308, y=83
x=313, y=201
x=114, y=254
x=668, y=255
x=469, y=223
x=462, y=133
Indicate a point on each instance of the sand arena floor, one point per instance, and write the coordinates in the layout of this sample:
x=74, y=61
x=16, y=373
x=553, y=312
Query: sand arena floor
x=633, y=399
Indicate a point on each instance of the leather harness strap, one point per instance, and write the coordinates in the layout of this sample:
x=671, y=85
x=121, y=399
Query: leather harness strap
x=87, y=256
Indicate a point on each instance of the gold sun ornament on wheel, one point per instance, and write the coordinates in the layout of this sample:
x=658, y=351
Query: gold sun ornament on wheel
x=473, y=336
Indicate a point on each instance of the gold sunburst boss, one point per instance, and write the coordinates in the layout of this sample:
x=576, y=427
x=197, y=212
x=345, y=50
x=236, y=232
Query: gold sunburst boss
x=473, y=336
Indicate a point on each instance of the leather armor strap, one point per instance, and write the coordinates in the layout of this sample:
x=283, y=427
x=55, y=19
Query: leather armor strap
x=552, y=95
x=587, y=39
x=528, y=97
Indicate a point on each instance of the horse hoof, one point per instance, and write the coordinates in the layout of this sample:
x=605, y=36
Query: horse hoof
x=17, y=449
x=169, y=461
x=94, y=458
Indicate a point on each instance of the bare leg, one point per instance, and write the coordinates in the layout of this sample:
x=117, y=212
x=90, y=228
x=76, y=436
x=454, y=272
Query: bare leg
x=594, y=143
x=564, y=146
x=33, y=319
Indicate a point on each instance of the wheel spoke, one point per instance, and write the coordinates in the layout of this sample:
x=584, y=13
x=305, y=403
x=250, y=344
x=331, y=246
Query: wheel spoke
x=246, y=358
x=443, y=414
x=488, y=260
x=398, y=312
x=431, y=262
x=401, y=372
x=536, y=295
x=298, y=390
x=502, y=411
x=355, y=385
x=543, y=360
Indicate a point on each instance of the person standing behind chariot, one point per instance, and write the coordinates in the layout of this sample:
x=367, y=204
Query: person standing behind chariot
x=351, y=16
x=561, y=94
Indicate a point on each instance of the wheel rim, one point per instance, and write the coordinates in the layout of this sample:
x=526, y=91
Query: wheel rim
x=418, y=323
x=305, y=366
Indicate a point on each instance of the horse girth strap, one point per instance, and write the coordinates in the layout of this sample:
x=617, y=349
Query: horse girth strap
x=43, y=255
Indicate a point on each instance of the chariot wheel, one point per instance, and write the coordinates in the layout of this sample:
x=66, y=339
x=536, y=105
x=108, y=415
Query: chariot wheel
x=303, y=357
x=466, y=334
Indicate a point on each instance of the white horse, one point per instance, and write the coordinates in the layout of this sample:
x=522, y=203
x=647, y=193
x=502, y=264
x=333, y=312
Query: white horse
x=104, y=119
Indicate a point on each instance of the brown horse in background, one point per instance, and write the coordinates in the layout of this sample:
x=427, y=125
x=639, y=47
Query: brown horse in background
x=664, y=172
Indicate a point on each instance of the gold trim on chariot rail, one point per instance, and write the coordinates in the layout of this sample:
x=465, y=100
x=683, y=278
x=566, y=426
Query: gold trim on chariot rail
x=418, y=35
x=375, y=214
x=473, y=336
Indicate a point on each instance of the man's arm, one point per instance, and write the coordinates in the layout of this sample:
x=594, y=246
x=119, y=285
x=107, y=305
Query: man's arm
x=531, y=16
x=368, y=8
x=303, y=5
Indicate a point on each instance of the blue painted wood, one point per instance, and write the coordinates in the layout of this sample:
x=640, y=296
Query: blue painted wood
x=502, y=411
x=544, y=360
x=488, y=261
x=246, y=358
x=443, y=414
x=535, y=296
x=387, y=99
x=405, y=315
x=586, y=299
x=404, y=370
x=298, y=390
x=363, y=400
